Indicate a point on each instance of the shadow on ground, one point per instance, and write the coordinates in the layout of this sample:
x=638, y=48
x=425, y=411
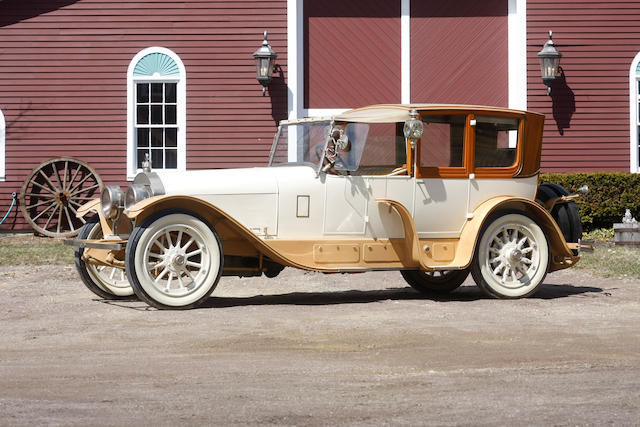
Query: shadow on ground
x=463, y=294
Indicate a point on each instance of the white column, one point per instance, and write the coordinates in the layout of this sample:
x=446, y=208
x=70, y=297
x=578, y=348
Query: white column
x=405, y=51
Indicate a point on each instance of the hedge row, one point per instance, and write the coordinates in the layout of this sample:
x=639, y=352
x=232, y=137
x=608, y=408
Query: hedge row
x=610, y=194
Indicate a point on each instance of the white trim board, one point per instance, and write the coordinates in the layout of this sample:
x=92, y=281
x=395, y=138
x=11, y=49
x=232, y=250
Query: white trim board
x=3, y=142
x=633, y=115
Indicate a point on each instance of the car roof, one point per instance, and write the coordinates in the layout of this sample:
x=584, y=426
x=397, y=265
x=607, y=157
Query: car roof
x=393, y=113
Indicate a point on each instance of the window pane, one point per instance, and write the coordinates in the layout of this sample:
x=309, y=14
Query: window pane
x=156, y=114
x=156, y=92
x=170, y=92
x=171, y=160
x=442, y=143
x=142, y=90
x=171, y=137
x=156, y=137
x=492, y=141
x=141, y=156
x=143, y=114
x=143, y=137
x=376, y=148
x=170, y=114
x=157, y=157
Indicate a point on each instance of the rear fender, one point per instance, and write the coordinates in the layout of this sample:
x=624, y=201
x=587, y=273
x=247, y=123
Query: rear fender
x=562, y=256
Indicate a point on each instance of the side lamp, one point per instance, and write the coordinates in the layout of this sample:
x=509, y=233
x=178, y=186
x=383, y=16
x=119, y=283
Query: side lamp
x=265, y=58
x=549, y=62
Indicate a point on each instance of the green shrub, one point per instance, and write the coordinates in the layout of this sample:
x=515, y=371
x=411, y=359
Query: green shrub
x=610, y=194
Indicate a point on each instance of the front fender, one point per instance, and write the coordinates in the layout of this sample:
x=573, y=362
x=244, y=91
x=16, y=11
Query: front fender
x=236, y=238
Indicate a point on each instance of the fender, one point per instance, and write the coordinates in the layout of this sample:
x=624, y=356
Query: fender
x=562, y=256
x=236, y=237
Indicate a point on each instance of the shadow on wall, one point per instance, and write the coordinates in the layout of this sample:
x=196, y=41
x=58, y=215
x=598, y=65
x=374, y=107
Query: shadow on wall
x=13, y=11
x=564, y=102
x=278, y=92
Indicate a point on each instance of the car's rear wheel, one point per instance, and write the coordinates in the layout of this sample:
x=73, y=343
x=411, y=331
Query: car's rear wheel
x=174, y=260
x=439, y=282
x=106, y=282
x=512, y=257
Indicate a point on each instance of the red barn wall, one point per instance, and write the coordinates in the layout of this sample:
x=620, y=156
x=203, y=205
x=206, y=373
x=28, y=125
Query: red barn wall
x=63, y=67
x=459, y=52
x=352, y=53
x=587, y=116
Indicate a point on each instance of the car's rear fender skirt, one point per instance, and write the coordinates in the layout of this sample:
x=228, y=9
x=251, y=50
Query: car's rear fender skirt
x=562, y=256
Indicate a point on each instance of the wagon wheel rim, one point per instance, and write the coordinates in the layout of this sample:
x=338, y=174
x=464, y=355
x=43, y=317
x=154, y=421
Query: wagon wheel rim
x=53, y=192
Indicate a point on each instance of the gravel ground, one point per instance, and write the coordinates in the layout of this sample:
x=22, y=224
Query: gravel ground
x=313, y=349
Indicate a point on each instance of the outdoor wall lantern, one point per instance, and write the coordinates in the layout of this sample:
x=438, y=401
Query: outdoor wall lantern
x=549, y=62
x=265, y=57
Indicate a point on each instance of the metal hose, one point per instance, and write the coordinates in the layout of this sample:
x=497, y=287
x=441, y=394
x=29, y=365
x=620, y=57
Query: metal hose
x=13, y=202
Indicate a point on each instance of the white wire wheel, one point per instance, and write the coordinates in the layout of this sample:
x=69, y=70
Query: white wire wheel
x=106, y=282
x=512, y=257
x=174, y=260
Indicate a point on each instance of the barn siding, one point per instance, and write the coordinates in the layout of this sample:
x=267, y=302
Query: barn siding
x=459, y=52
x=63, y=68
x=587, y=116
x=352, y=53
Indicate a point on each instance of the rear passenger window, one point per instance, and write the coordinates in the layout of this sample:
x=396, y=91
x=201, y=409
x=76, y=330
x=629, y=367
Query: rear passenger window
x=442, y=142
x=492, y=141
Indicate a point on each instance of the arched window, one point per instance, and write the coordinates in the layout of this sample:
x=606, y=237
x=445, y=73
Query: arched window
x=156, y=111
x=3, y=175
x=634, y=110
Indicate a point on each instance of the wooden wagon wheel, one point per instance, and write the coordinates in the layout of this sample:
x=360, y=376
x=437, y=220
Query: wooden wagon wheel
x=53, y=192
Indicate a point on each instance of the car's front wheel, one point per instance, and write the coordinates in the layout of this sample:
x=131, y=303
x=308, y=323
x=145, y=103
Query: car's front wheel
x=174, y=260
x=439, y=282
x=512, y=257
x=106, y=282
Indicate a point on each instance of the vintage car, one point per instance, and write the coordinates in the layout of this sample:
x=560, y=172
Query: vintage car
x=433, y=191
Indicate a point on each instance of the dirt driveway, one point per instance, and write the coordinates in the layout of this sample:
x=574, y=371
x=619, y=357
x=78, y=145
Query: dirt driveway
x=312, y=349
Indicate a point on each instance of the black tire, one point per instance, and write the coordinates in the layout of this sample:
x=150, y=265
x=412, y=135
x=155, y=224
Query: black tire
x=85, y=231
x=436, y=282
x=566, y=215
x=196, y=258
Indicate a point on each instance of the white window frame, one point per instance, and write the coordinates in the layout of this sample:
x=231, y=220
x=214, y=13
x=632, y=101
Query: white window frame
x=3, y=170
x=634, y=120
x=181, y=98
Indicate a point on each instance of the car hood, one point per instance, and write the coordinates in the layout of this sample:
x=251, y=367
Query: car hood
x=262, y=180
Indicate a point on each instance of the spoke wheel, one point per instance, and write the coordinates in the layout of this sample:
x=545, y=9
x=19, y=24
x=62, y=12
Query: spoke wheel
x=440, y=282
x=512, y=257
x=53, y=192
x=106, y=282
x=174, y=260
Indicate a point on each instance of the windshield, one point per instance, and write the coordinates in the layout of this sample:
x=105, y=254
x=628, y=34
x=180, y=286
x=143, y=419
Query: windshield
x=301, y=143
x=340, y=146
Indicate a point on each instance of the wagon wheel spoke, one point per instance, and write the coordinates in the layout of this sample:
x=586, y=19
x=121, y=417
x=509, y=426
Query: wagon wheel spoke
x=46, y=178
x=53, y=193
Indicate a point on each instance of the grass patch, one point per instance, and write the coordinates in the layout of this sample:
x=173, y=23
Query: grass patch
x=618, y=261
x=32, y=250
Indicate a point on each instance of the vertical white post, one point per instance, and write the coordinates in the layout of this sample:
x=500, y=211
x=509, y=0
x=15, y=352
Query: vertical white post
x=2, y=149
x=295, y=67
x=405, y=51
x=517, y=68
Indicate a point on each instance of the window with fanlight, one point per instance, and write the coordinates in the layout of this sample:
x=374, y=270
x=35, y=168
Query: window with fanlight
x=156, y=111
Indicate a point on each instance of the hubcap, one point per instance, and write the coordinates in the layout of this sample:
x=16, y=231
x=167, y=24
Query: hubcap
x=176, y=262
x=513, y=255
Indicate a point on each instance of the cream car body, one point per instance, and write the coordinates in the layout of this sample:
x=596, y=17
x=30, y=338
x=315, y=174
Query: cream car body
x=347, y=194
